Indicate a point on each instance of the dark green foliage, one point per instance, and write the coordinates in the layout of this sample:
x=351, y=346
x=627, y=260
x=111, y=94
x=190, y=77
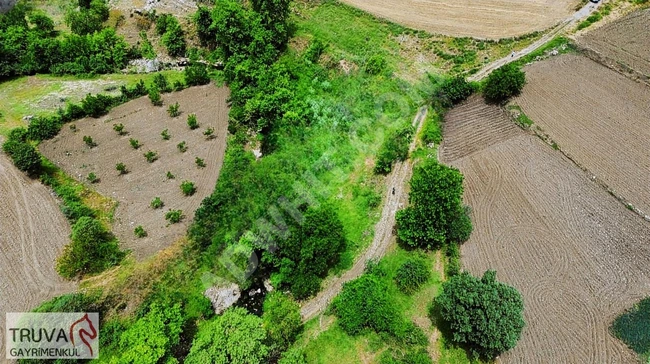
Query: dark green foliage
x=120, y=167
x=170, y=175
x=174, y=110
x=196, y=74
x=395, y=148
x=135, y=144
x=203, y=20
x=42, y=23
x=157, y=203
x=235, y=337
x=43, y=127
x=91, y=250
x=432, y=130
x=315, y=50
x=140, y=89
x=154, y=96
x=89, y=141
x=199, y=162
x=375, y=65
x=146, y=48
x=178, y=85
x=191, y=121
x=304, y=258
x=165, y=134
x=152, y=337
x=174, y=38
x=188, y=188
x=87, y=20
x=139, y=232
x=293, y=356
x=151, y=156
x=18, y=134
x=455, y=90
x=182, y=147
x=161, y=82
x=73, y=207
x=92, y=178
x=633, y=327
x=97, y=105
x=435, y=205
x=482, y=314
x=119, y=128
x=25, y=157
x=72, y=302
x=161, y=23
x=504, y=83
x=274, y=15
x=412, y=274
x=419, y=356
x=453, y=260
x=174, y=216
x=281, y=320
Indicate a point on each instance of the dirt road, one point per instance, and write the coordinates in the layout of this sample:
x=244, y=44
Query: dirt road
x=397, y=180
x=580, y=14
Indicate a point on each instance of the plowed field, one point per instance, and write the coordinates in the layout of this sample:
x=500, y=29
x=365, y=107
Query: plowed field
x=599, y=117
x=135, y=190
x=491, y=19
x=33, y=232
x=577, y=255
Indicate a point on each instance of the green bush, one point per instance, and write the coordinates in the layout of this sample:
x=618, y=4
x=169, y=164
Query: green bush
x=174, y=110
x=188, y=188
x=632, y=327
x=394, y=148
x=412, y=274
x=139, y=232
x=161, y=83
x=209, y=133
x=191, y=121
x=91, y=250
x=151, y=156
x=154, y=96
x=453, y=260
x=92, y=178
x=89, y=141
x=120, y=167
x=157, y=203
x=282, y=320
x=43, y=128
x=161, y=23
x=504, y=83
x=135, y=144
x=119, y=128
x=432, y=130
x=199, y=162
x=24, y=156
x=174, y=38
x=375, y=65
x=165, y=134
x=413, y=356
x=96, y=105
x=196, y=74
x=482, y=314
x=455, y=90
x=182, y=147
x=146, y=48
x=174, y=216
x=87, y=20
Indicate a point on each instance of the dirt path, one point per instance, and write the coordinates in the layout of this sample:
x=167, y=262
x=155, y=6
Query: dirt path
x=580, y=14
x=397, y=180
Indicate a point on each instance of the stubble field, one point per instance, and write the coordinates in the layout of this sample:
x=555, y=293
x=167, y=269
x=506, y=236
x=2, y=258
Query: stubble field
x=599, y=117
x=492, y=19
x=578, y=256
x=135, y=190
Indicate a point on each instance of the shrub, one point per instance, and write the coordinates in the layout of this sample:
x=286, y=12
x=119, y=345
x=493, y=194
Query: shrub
x=178, y=85
x=209, y=134
x=483, y=314
x=196, y=74
x=170, y=175
x=120, y=167
x=161, y=82
x=453, y=260
x=412, y=274
x=188, y=188
x=43, y=128
x=173, y=110
x=24, y=156
x=165, y=134
x=375, y=65
x=119, y=128
x=161, y=23
x=192, y=122
x=91, y=250
x=174, y=216
x=455, y=90
x=151, y=156
x=503, y=83
x=182, y=147
x=632, y=327
x=154, y=96
x=174, y=38
x=96, y=105
x=199, y=162
x=157, y=203
x=140, y=232
x=146, y=48
x=135, y=144
x=395, y=147
x=92, y=178
x=432, y=131
x=89, y=141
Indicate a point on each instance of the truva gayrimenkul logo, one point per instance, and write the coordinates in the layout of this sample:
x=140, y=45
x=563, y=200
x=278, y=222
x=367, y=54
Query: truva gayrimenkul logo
x=52, y=335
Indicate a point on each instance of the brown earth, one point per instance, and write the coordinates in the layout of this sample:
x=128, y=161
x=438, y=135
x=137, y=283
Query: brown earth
x=135, y=190
x=597, y=116
x=33, y=232
x=623, y=44
x=578, y=257
x=492, y=19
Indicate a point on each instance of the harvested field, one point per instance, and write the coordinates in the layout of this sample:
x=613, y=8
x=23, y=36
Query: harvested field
x=578, y=256
x=33, y=232
x=624, y=43
x=597, y=116
x=492, y=19
x=135, y=190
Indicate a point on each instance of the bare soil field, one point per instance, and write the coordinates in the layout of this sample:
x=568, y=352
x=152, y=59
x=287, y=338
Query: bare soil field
x=145, y=181
x=492, y=19
x=578, y=257
x=623, y=44
x=33, y=232
x=597, y=116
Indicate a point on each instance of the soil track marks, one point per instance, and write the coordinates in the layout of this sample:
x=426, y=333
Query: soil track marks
x=33, y=232
x=624, y=43
x=491, y=19
x=577, y=255
x=598, y=117
x=135, y=190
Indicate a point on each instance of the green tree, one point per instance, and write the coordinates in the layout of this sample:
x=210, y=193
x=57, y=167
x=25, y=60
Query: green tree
x=24, y=156
x=504, y=83
x=275, y=16
x=152, y=337
x=91, y=250
x=394, y=148
x=196, y=74
x=435, y=206
x=174, y=38
x=455, y=90
x=293, y=356
x=483, y=314
x=87, y=20
x=236, y=337
x=282, y=320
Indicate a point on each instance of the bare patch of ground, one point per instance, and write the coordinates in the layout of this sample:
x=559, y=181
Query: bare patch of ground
x=597, y=116
x=135, y=190
x=33, y=232
x=493, y=19
x=577, y=255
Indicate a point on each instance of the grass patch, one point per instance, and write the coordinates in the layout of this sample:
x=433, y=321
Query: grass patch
x=632, y=328
x=519, y=116
x=561, y=44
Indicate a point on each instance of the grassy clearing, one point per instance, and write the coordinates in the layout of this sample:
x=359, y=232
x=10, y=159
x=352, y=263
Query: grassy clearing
x=43, y=94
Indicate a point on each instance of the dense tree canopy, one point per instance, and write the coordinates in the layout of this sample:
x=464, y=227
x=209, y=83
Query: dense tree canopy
x=504, y=82
x=436, y=215
x=455, y=90
x=282, y=320
x=236, y=337
x=87, y=20
x=482, y=313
